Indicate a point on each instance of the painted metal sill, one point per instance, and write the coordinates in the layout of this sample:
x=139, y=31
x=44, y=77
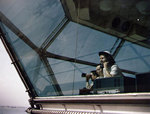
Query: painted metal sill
x=125, y=98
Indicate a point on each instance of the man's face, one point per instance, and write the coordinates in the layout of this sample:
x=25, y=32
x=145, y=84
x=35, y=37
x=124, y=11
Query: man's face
x=102, y=59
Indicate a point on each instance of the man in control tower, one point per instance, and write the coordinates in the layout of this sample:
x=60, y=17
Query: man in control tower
x=106, y=68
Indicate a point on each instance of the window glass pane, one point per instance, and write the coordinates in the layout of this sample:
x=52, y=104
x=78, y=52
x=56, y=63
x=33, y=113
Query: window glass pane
x=81, y=42
x=73, y=50
x=134, y=57
x=35, y=18
x=78, y=42
x=68, y=75
x=31, y=63
x=85, y=46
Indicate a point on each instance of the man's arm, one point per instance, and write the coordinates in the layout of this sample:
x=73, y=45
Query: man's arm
x=107, y=71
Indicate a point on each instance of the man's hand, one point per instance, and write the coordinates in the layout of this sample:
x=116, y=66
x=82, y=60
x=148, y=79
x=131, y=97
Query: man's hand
x=106, y=65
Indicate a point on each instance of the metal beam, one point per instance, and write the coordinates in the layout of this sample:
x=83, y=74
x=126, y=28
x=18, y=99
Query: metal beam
x=16, y=31
x=51, y=55
x=59, y=57
x=55, y=33
x=18, y=66
x=118, y=48
x=23, y=37
x=113, y=47
x=52, y=76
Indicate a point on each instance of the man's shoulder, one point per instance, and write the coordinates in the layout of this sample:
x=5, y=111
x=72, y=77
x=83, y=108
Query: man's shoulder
x=115, y=65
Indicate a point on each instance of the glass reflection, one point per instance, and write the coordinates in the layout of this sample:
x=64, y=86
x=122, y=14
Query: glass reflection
x=35, y=18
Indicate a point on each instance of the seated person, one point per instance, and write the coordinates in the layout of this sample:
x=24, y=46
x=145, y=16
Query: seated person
x=107, y=68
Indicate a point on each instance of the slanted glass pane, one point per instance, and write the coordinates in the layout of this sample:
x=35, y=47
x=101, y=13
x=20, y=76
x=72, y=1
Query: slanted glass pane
x=56, y=71
x=35, y=18
x=134, y=57
x=31, y=63
x=78, y=42
x=81, y=42
x=68, y=75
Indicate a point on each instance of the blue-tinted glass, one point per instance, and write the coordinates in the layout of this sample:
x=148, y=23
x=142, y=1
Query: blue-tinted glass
x=32, y=65
x=134, y=57
x=35, y=18
x=81, y=42
x=68, y=75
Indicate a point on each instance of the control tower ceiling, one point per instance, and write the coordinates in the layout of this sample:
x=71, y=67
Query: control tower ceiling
x=126, y=19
